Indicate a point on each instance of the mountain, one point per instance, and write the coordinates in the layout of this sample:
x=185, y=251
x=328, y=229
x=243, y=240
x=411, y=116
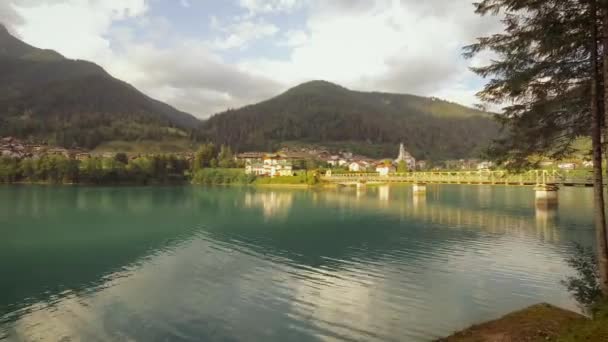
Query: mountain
x=45, y=96
x=371, y=123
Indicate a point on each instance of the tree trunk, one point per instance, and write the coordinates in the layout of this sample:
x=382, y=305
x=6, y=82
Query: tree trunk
x=596, y=138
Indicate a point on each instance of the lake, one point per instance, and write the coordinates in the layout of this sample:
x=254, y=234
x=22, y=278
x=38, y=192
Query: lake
x=262, y=264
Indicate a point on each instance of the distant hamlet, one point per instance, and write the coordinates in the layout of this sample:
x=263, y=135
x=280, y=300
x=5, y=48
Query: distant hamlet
x=21, y=161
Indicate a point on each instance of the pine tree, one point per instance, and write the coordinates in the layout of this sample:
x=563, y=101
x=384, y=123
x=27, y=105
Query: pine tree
x=546, y=73
x=539, y=73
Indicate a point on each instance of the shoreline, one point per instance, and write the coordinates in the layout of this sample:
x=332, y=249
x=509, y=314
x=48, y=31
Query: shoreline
x=539, y=322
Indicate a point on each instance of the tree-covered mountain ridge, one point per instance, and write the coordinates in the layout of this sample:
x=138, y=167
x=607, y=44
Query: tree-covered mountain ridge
x=45, y=96
x=372, y=123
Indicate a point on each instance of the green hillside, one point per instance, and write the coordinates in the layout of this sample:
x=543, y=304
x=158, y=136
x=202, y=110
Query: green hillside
x=44, y=96
x=320, y=112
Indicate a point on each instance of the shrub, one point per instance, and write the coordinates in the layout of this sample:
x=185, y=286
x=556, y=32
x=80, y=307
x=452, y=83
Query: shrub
x=585, y=286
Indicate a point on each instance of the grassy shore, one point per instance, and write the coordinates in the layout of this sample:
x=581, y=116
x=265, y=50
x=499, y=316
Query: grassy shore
x=541, y=322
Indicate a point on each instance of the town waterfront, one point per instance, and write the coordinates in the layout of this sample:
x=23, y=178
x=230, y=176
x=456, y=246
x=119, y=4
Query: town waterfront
x=196, y=263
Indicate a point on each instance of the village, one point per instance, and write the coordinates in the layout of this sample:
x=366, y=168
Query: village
x=287, y=161
x=12, y=147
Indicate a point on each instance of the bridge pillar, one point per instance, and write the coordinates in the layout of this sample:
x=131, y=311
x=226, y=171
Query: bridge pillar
x=545, y=194
x=419, y=189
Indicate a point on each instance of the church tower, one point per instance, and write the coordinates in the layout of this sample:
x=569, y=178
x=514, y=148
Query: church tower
x=406, y=157
x=402, y=153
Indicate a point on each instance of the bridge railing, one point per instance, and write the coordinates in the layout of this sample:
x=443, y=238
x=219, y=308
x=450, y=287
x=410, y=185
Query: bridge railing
x=480, y=177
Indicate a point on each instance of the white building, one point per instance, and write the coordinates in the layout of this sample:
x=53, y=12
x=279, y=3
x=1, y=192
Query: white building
x=567, y=166
x=406, y=157
x=484, y=165
x=356, y=167
x=272, y=165
x=256, y=169
x=384, y=169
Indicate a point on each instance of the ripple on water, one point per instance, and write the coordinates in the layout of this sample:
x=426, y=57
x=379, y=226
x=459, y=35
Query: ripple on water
x=205, y=266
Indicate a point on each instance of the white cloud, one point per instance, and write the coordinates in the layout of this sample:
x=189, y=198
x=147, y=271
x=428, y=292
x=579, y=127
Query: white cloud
x=269, y=6
x=294, y=38
x=76, y=28
x=240, y=33
x=397, y=46
x=182, y=72
x=197, y=81
x=403, y=46
x=184, y=3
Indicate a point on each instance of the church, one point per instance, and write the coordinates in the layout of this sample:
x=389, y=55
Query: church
x=406, y=157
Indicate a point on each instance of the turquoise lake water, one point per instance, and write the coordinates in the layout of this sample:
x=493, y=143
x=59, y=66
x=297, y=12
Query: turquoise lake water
x=253, y=264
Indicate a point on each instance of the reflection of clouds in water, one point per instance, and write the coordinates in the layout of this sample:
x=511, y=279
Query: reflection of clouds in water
x=274, y=204
x=191, y=282
x=240, y=294
x=389, y=282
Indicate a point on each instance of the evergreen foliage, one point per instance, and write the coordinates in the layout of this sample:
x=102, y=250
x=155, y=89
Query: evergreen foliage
x=540, y=74
x=323, y=113
x=46, y=97
x=222, y=176
x=585, y=285
x=58, y=169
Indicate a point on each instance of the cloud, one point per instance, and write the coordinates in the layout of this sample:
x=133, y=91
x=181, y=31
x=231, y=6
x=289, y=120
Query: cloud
x=240, y=33
x=183, y=72
x=398, y=46
x=404, y=46
x=76, y=28
x=269, y=6
x=199, y=82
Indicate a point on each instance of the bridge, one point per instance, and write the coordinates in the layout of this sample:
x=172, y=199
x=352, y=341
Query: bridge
x=531, y=178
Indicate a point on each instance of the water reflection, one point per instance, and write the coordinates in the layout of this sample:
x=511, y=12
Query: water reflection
x=190, y=264
x=384, y=192
x=274, y=204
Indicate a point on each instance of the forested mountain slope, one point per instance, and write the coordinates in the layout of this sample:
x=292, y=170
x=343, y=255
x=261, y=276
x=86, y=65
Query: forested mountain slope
x=320, y=112
x=44, y=96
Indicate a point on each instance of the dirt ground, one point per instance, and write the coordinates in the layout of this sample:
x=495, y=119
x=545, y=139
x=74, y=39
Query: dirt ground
x=541, y=322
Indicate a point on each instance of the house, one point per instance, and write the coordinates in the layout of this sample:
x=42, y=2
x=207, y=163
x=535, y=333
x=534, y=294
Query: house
x=566, y=166
x=256, y=169
x=405, y=156
x=356, y=166
x=272, y=165
x=385, y=168
x=484, y=165
x=422, y=165
x=251, y=157
x=82, y=156
x=276, y=165
x=333, y=160
x=58, y=151
x=588, y=163
x=546, y=163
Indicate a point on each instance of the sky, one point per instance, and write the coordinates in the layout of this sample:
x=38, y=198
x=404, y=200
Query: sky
x=207, y=56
